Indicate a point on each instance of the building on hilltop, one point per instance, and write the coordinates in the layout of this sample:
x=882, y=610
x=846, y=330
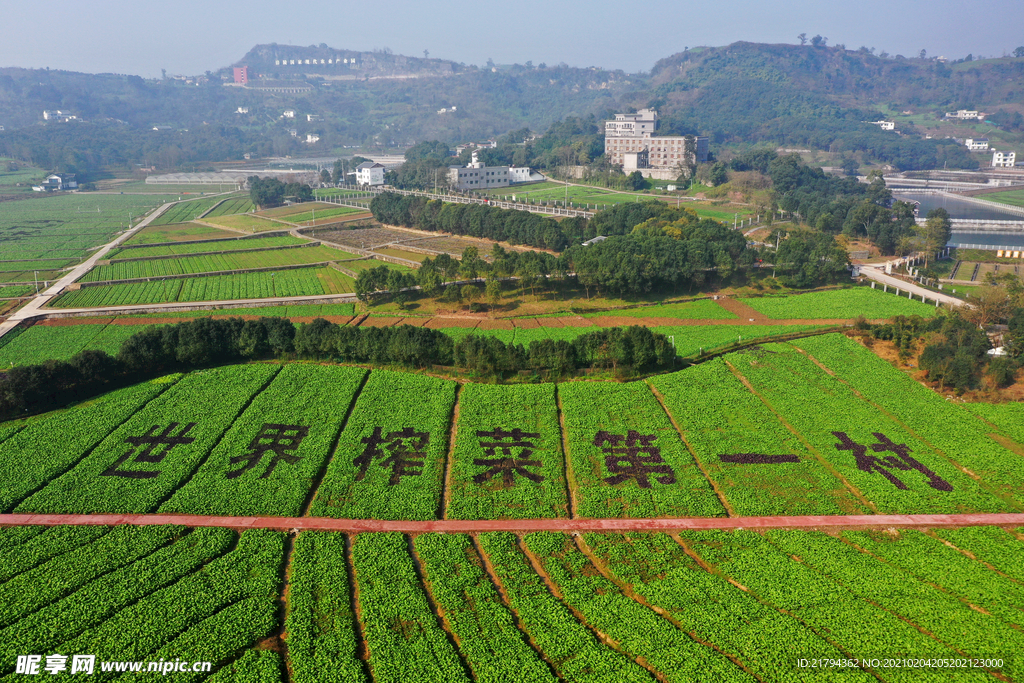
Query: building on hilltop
x=241, y=75
x=1004, y=159
x=370, y=173
x=629, y=140
x=964, y=114
x=976, y=144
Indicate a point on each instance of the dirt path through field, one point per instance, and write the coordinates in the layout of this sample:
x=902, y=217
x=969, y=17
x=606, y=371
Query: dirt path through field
x=526, y=525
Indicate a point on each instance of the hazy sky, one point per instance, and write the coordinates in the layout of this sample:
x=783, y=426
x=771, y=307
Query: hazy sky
x=190, y=37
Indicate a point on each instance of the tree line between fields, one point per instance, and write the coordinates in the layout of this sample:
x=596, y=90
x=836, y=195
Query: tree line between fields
x=650, y=247
x=954, y=347
x=205, y=342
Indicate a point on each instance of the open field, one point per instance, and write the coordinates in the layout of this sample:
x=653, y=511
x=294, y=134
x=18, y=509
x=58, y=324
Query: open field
x=819, y=426
x=40, y=343
x=1011, y=197
x=539, y=607
x=172, y=249
x=231, y=260
x=232, y=206
x=17, y=177
x=696, y=424
x=298, y=282
x=141, y=187
x=400, y=253
x=178, y=232
x=65, y=227
x=186, y=211
x=845, y=303
x=246, y=222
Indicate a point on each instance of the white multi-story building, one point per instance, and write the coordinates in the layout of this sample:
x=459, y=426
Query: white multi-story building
x=370, y=173
x=885, y=125
x=976, y=144
x=477, y=176
x=629, y=140
x=963, y=114
x=312, y=138
x=1004, y=159
x=288, y=114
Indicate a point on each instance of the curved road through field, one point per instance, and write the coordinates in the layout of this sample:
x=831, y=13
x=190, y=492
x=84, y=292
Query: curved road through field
x=522, y=525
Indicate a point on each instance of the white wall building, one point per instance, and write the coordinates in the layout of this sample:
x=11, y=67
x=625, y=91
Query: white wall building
x=885, y=125
x=476, y=176
x=976, y=144
x=242, y=110
x=963, y=114
x=312, y=138
x=1004, y=159
x=370, y=173
x=288, y=114
x=629, y=140
x=519, y=174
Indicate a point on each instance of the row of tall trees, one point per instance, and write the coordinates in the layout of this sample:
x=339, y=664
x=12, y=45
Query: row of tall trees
x=267, y=192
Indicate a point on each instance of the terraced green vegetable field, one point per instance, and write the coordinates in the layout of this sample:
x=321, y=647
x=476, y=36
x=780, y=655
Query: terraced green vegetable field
x=390, y=459
x=843, y=303
x=173, y=249
x=295, y=282
x=41, y=343
x=231, y=260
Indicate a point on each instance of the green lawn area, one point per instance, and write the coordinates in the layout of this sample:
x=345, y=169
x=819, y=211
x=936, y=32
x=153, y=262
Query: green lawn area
x=1011, y=197
x=178, y=232
x=703, y=309
x=839, y=304
x=247, y=222
x=21, y=173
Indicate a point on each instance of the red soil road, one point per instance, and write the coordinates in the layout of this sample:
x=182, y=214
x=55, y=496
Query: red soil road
x=523, y=525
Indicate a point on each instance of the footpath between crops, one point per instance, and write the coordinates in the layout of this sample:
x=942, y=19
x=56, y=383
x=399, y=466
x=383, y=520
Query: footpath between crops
x=520, y=525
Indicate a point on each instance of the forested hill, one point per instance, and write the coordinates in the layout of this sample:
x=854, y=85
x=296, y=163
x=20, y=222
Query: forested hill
x=744, y=93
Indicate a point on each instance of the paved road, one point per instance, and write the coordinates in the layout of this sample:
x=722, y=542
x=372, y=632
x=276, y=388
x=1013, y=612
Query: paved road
x=523, y=525
x=879, y=275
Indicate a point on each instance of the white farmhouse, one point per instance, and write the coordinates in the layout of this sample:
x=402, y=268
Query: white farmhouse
x=370, y=173
x=1004, y=159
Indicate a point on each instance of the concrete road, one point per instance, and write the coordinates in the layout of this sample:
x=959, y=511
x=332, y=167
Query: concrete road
x=879, y=275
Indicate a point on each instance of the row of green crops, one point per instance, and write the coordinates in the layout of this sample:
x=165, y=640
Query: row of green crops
x=319, y=214
x=766, y=641
x=857, y=627
x=295, y=282
x=232, y=206
x=58, y=443
x=403, y=638
x=232, y=260
x=209, y=615
x=890, y=465
x=601, y=608
x=174, y=249
x=843, y=303
x=153, y=452
x=702, y=309
x=390, y=459
x=626, y=459
x=507, y=461
x=267, y=462
x=937, y=611
x=41, y=343
x=953, y=431
x=495, y=650
x=322, y=640
x=639, y=631
x=81, y=600
x=572, y=650
x=762, y=467
x=691, y=341
x=183, y=212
